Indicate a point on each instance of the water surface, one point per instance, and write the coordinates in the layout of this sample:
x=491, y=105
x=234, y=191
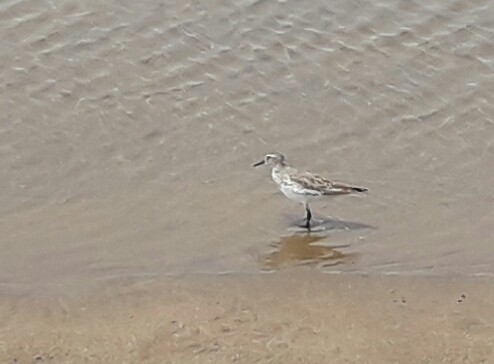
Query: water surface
x=129, y=129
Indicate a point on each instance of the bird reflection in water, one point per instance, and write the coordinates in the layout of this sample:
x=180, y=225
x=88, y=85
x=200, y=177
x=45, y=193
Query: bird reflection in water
x=303, y=249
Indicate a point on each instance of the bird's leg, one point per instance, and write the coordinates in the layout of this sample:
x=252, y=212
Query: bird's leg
x=308, y=216
x=305, y=215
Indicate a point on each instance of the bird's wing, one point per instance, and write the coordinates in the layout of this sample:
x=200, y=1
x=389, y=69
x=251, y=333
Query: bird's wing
x=313, y=182
x=322, y=185
x=344, y=188
x=349, y=187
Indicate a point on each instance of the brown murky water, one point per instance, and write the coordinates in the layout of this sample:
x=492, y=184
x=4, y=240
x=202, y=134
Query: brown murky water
x=129, y=129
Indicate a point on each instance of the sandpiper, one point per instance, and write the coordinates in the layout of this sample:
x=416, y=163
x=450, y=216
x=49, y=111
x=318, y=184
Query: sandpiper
x=303, y=187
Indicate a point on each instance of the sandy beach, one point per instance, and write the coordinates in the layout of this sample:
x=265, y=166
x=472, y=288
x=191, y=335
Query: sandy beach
x=296, y=317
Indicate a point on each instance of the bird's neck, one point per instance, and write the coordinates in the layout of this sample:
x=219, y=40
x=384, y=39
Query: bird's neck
x=278, y=172
x=280, y=166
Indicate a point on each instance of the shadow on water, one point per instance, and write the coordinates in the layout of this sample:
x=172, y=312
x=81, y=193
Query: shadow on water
x=309, y=248
x=305, y=249
x=327, y=224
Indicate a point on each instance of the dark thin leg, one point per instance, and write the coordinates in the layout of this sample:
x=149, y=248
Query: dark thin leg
x=308, y=217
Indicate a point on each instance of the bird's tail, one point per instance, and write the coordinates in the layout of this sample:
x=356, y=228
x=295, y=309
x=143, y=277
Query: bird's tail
x=348, y=188
x=343, y=189
x=359, y=189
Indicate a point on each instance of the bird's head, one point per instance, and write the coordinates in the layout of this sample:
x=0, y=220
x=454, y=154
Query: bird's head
x=272, y=160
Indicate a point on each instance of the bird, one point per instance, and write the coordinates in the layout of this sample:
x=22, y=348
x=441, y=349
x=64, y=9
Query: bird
x=303, y=187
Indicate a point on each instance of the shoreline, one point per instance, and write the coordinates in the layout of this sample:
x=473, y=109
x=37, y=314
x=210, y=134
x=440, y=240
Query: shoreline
x=290, y=317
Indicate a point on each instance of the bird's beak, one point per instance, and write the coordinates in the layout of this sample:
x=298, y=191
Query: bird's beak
x=258, y=163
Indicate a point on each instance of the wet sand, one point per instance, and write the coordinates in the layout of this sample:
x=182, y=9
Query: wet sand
x=127, y=138
x=296, y=317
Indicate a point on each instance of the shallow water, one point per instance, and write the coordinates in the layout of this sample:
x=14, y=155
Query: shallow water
x=129, y=130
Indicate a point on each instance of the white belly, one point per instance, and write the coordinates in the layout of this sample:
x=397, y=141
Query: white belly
x=292, y=190
x=296, y=196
